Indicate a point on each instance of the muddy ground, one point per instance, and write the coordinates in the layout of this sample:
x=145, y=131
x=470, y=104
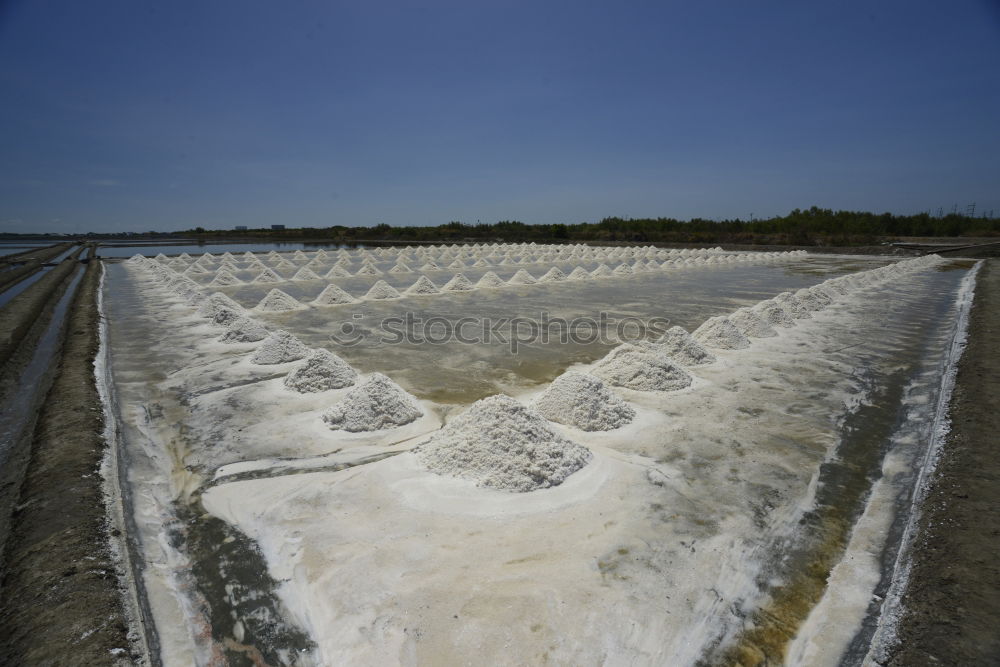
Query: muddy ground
x=61, y=600
x=952, y=605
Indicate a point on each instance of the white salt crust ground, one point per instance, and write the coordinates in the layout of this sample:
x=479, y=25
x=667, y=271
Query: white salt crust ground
x=339, y=604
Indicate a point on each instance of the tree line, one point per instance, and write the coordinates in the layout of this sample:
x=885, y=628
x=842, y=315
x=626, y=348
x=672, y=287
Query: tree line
x=813, y=226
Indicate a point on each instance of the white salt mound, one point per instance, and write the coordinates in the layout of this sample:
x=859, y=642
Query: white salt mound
x=322, y=370
x=337, y=272
x=333, y=296
x=279, y=348
x=277, y=301
x=721, y=333
x=682, y=348
x=522, y=277
x=219, y=308
x=458, y=283
x=430, y=266
x=244, y=330
x=490, y=280
x=553, y=274
x=582, y=401
x=368, y=270
x=424, y=285
x=792, y=305
x=751, y=324
x=809, y=300
x=268, y=276
x=579, y=273
x=601, y=271
x=772, y=313
x=376, y=404
x=500, y=444
x=642, y=369
x=382, y=290
x=305, y=273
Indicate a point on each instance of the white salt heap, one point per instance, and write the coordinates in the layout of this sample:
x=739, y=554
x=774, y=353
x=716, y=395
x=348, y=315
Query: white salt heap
x=305, y=273
x=601, y=271
x=772, y=313
x=751, y=324
x=501, y=444
x=522, y=277
x=792, y=306
x=382, y=290
x=244, y=330
x=458, y=283
x=277, y=301
x=279, y=348
x=337, y=271
x=582, y=401
x=490, y=280
x=333, y=296
x=579, y=273
x=322, y=370
x=368, y=270
x=682, y=348
x=642, y=369
x=424, y=285
x=268, y=276
x=224, y=278
x=376, y=404
x=809, y=300
x=721, y=333
x=220, y=309
x=553, y=274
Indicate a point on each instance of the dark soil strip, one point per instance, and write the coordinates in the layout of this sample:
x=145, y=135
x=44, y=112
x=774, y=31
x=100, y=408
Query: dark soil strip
x=19, y=314
x=32, y=262
x=60, y=599
x=952, y=605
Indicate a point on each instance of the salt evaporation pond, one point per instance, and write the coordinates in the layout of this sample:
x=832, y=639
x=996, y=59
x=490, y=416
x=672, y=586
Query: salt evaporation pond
x=702, y=528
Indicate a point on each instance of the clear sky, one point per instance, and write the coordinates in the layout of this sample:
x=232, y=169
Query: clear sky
x=123, y=115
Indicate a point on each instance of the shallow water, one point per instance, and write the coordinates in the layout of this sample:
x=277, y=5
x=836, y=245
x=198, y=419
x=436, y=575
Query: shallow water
x=775, y=447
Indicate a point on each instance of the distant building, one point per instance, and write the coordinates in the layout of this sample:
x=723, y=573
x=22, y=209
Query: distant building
x=241, y=228
x=277, y=228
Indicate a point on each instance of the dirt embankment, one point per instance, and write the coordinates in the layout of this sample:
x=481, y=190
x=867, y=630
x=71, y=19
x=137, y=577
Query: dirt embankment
x=32, y=262
x=18, y=315
x=61, y=604
x=952, y=603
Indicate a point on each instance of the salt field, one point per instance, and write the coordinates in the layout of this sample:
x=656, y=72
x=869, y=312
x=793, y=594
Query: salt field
x=540, y=453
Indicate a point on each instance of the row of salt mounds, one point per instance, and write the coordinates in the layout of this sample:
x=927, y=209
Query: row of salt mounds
x=378, y=403
x=244, y=330
x=500, y=444
x=582, y=401
x=279, y=348
x=277, y=301
x=322, y=370
x=641, y=369
x=681, y=347
x=721, y=333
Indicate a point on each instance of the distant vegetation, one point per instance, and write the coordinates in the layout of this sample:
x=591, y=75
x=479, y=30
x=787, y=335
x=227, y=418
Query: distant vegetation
x=814, y=226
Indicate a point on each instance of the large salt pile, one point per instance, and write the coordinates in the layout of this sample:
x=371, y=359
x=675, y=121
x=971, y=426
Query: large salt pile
x=376, y=404
x=225, y=278
x=602, y=271
x=400, y=267
x=430, y=266
x=277, y=301
x=580, y=400
x=220, y=309
x=552, y=275
x=792, y=306
x=333, y=296
x=809, y=300
x=268, y=276
x=721, y=333
x=458, y=283
x=337, y=271
x=751, y=324
x=579, y=273
x=382, y=290
x=244, y=330
x=642, y=369
x=305, y=273
x=682, y=348
x=279, y=348
x=772, y=313
x=368, y=269
x=522, y=277
x=424, y=285
x=322, y=370
x=501, y=444
x=490, y=280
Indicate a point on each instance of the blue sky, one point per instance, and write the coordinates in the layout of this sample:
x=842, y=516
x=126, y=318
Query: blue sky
x=134, y=115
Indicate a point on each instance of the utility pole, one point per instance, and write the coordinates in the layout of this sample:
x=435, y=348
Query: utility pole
x=970, y=210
